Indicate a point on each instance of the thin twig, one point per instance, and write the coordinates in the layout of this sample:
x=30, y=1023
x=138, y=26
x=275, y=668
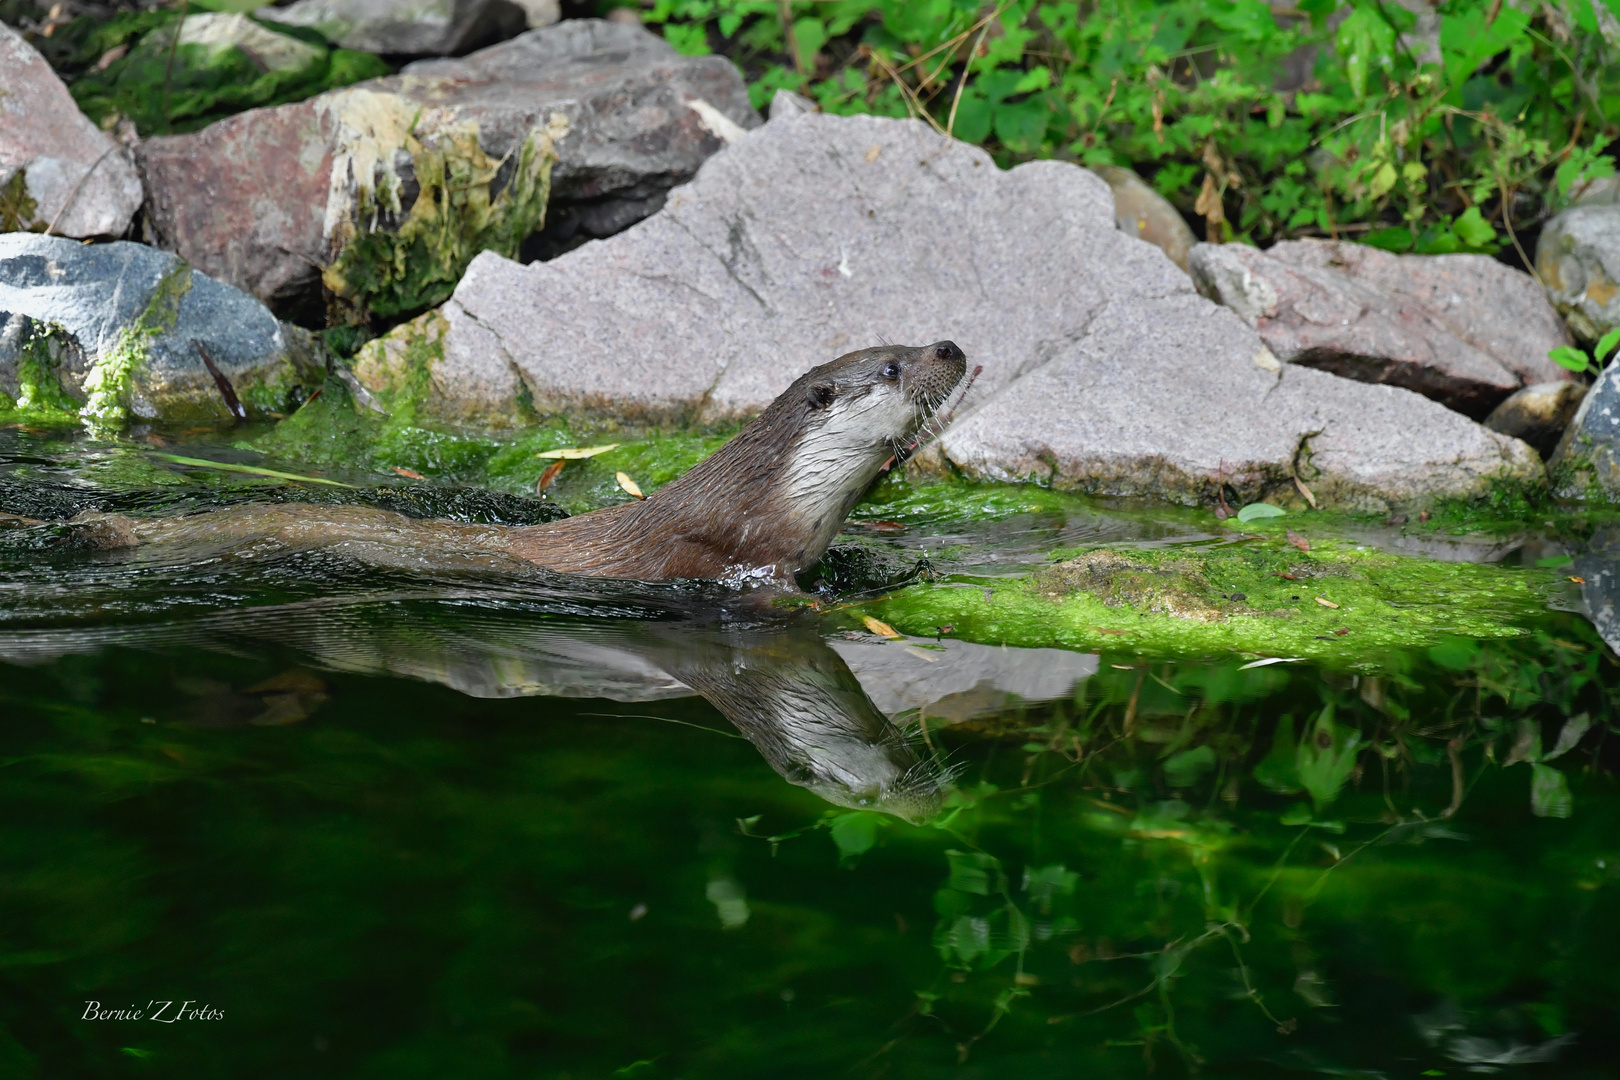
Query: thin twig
x=74, y=194
x=168, y=68
x=967, y=68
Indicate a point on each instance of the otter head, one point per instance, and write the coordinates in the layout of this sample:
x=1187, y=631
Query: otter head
x=850, y=418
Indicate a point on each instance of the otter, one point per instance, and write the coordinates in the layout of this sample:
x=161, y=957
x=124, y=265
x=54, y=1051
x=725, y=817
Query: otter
x=766, y=505
x=762, y=508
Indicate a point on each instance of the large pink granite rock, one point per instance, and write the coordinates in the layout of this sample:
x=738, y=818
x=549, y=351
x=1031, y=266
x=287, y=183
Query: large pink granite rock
x=1464, y=330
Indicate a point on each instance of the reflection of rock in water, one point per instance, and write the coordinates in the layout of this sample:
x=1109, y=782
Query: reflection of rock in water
x=800, y=704
x=957, y=680
x=1600, y=569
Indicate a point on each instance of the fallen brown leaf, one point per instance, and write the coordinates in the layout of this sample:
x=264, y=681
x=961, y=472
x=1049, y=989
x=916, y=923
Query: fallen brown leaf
x=1305, y=491
x=629, y=485
x=1325, y=602
x=550, y=475
x=1298, y=541
x=879, y=627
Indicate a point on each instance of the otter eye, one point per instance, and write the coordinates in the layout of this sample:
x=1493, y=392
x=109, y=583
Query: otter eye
x=891, y=370
x=821, y=397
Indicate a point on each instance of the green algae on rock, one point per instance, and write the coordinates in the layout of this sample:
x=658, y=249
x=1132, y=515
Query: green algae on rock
x=110, y=383
x=395, y=253
x=32, y=357
x=336, y=432
x=180, y=75
x=1338, y=602
x=139, y=334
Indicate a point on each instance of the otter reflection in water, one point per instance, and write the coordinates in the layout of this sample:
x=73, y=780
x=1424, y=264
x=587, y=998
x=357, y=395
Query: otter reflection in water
x=762, y=508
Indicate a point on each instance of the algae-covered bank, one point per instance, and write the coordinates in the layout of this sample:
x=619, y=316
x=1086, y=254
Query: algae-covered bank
x=1022, y=784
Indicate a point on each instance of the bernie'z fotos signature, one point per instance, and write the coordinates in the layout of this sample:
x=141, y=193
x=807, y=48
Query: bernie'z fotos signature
x=164, y=1013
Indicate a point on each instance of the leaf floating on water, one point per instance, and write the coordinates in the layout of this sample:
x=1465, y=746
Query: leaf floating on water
x=577, y=453
x=548, y=477
x=412, y=473
x=251, y=470
x=1298, y=541
x=1259, y=512
x=1325, y=602
x=879, y=627
x=630, y=487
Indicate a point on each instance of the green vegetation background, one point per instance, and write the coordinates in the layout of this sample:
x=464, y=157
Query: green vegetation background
x=1453, y=130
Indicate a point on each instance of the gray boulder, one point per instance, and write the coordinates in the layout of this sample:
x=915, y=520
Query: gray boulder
x=57, y=169
x=382, y=192
x=1461, y=329
x=952, y=681
x=1143, y=213
x=121, y=331
x=1598, y=567
x=1171, y=397
x=819, y=234
x=406, y=27
x=1587, y=459
x=1578, y=259
x=1538, y=414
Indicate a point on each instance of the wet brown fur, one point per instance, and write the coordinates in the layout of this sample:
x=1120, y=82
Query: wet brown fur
x=731, y=511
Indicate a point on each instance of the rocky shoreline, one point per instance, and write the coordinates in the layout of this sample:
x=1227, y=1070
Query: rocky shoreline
x=577, y=222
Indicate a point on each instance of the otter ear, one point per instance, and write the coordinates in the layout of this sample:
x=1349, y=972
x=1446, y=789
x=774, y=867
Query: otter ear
x=821, y=396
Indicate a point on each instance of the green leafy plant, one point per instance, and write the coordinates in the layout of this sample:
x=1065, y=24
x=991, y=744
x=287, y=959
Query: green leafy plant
x=1576, y=360
x=1343, y=118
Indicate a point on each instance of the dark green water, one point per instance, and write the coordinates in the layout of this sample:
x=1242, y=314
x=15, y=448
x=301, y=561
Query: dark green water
x=373, y=819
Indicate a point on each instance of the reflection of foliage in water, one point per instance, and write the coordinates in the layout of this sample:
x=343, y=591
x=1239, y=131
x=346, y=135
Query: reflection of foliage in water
x=1142, y=747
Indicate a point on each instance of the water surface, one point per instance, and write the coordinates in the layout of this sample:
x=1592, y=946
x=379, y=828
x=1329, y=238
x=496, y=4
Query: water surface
x=390, y=818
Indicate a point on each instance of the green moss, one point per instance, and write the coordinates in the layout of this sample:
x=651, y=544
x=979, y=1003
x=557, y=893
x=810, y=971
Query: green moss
x=18, y=210
x=332, y=432
x=39, y=385
x=200, y=84
x=1199, y=600
x=460, y=210
x=109, y=384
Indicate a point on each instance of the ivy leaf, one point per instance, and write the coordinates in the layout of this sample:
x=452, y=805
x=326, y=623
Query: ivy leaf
x=1472, y=228
x=809, y=35
x=972, y=117
x=1036, y=79
x=1022, y=126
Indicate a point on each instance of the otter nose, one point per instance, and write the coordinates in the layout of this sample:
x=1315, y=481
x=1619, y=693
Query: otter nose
x=947, y=351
